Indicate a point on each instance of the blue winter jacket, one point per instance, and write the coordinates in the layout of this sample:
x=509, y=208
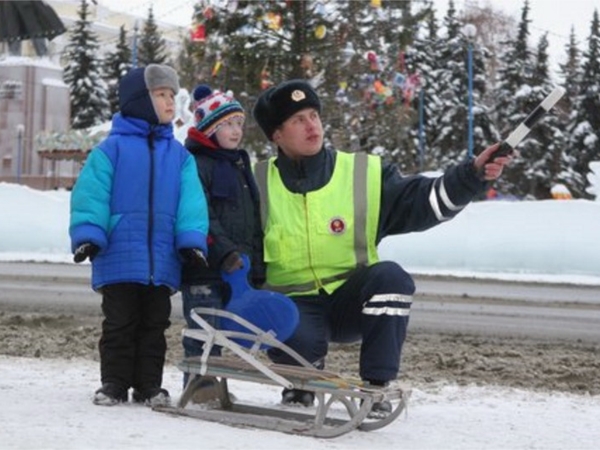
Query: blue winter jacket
x=139, y=199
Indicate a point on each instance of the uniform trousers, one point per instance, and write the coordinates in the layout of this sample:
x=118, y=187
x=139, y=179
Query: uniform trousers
x=372, y=306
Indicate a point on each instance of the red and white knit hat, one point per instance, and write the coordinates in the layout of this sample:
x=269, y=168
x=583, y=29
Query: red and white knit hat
x=212, y=108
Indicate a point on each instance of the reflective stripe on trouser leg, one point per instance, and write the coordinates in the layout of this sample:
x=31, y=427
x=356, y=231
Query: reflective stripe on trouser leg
x=389, y=304
x=385, y=321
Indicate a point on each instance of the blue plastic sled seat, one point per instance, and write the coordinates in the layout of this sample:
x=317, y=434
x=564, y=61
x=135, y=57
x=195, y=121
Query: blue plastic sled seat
x=270, y=311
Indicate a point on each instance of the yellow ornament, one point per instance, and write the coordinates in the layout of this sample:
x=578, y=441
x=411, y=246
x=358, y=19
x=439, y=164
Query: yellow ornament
x=273, y=21
x=320, y=31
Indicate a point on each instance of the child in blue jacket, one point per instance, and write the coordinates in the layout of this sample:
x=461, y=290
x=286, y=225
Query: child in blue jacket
x=137, y=212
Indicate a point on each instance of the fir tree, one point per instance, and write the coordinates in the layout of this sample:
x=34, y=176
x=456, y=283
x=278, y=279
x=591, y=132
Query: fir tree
x=513, y=73
x=541, y=151
x=151, y=47
x=585, y=123
x=89, y=103
x=570, y=71
x=571, y=74
x=513, y=100
x=423, y=58
x=451, y=141
x=116, y=65
x=452, y=114
x=186, y=65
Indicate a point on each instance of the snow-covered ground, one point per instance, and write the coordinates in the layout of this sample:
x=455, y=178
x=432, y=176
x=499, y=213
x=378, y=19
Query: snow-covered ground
x=47, y=403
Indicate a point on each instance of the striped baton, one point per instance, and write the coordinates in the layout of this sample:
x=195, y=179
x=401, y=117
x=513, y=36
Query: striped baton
x=508, y=145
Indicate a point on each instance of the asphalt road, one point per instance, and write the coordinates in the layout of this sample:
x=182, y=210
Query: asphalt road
x=442, y=304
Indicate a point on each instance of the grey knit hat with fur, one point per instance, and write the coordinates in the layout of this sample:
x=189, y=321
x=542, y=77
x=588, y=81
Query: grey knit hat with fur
x=158, y=76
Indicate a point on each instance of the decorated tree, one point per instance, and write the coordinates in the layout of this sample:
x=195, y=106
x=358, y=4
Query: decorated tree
x=351, y=52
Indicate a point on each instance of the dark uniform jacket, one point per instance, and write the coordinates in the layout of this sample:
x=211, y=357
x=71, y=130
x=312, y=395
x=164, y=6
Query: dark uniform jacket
x=234, y=209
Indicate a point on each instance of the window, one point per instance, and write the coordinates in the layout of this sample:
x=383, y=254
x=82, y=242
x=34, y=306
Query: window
x=11, y=89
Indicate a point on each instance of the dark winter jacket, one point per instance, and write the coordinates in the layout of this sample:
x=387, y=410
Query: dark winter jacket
x=139, y=199
x=411, y=203
x=234, y=209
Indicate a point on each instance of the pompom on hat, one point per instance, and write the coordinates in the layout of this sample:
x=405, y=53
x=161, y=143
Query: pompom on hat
x=212, y=108
x=278, y=103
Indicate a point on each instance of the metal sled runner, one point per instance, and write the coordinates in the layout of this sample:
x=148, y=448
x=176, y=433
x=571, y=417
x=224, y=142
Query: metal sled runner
x=342, y=404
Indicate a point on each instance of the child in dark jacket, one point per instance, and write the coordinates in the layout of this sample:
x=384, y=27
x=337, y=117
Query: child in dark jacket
x=233, y=205
x=138, y=210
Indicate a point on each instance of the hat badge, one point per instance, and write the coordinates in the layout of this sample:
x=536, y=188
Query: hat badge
x=298, y=95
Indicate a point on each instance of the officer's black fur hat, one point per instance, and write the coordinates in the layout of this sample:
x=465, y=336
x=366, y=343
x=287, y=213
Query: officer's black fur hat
x=278, y=103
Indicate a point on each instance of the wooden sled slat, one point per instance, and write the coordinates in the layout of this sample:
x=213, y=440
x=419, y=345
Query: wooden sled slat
x=244, y=364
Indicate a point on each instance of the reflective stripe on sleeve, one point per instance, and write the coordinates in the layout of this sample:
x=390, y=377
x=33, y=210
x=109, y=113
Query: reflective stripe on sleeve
x=438, y=189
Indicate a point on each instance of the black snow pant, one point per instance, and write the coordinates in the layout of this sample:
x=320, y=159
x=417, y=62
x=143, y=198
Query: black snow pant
x=373, y=305
x=133, y=344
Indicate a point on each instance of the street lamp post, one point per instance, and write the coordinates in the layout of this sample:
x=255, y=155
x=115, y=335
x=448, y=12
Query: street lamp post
x=134, y=46
x=20, y=131
x=469, y=30
x=421, y=133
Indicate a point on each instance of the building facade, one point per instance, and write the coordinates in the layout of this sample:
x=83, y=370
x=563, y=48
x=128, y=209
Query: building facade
x=34, y=100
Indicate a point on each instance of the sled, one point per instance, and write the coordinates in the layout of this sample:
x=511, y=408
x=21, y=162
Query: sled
x=341, y=404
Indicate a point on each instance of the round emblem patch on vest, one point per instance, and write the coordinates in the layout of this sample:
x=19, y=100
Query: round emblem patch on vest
x=337, y=225
x=298, y=95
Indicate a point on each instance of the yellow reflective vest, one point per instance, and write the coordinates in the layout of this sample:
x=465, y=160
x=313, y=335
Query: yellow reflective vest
x=315, y=240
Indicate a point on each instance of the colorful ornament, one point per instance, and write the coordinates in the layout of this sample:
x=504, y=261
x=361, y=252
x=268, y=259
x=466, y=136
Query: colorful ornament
x=347, y=53
x=198, y=33
x=399, y=80
x=273, y=21
x=208, y=13
x=307, y=64
x=411, y=85
x=265, y=79
x=373, y=61
x=320, y=31
x=217, y=66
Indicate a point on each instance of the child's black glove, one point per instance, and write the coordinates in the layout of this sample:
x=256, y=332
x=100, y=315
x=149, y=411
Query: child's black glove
x=194, y=257
x=85, y=250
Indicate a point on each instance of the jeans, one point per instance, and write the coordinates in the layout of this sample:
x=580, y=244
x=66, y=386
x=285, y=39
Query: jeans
x=196, y=296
